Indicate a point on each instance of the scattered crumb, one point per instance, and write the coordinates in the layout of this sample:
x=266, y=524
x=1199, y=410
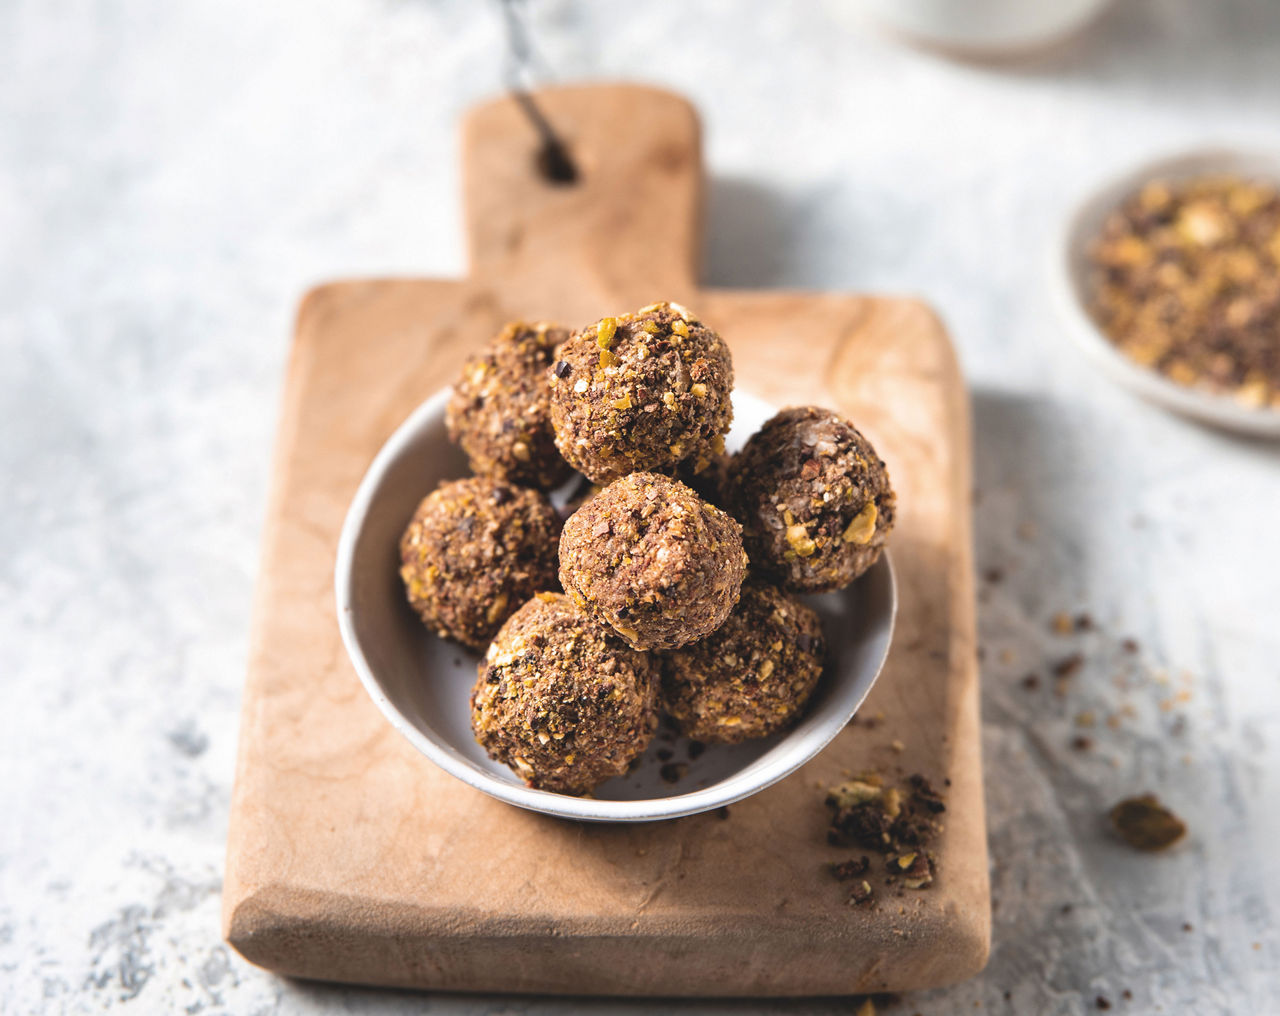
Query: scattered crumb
x=696, y=748
x=994, y=576
x=1086, y=718
x=1062, y=623
x=1084, y=622
x=1145, y=824
x=674, y=772
x=1027, y=530
x=1031, y=681
x=897, y=745
x=1006, y=656
x=859, y=893
x=664, y=754
x=846, y=870
x=1127, y=995
x=1102, y=1002
x=897, y=823
x=1081, y=743
x=1129, y=646
x=1068, y=665
x=1187, y=926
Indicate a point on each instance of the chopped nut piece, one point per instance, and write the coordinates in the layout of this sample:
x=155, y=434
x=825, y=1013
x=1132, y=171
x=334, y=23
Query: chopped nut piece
x=853, y=792
x=606, y=328
x=1145, y=824
x=863, y=526
x=861, y=893
x=798, y=537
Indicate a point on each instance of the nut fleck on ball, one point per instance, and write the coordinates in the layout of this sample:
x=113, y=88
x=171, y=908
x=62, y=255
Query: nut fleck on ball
x=642, y=391
x=753, y=676
x=813, y=498
x=500, y=411
x=561, y=700
x=652, y=560
x=474, y=551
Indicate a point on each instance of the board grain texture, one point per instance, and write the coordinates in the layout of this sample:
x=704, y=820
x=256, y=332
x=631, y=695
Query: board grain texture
x=352, y=858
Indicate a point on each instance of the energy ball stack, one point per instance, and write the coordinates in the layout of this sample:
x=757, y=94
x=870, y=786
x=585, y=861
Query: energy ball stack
x=753, y=676
x=653, y=561
x=500, y=412
x=561, y=700
x=813, y=498
x=641, y=392
x=474, y=551
x=661, y=612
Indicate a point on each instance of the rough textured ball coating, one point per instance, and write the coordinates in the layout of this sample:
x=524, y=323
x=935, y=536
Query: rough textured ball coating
x=500, y=411
x=652, y=560
x=474, y=551
x=753, y=676
x=643, y=391
x=813, y=498
x=561, y=700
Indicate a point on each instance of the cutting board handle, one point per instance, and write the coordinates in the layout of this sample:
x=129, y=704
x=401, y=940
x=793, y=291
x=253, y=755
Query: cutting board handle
x=630, y=224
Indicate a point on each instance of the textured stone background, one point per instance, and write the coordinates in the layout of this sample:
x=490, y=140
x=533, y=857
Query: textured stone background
x=172, y=175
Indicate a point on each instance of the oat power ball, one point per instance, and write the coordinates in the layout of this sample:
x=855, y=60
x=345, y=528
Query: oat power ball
x=652, y=560
x=500, y=412
x=751, y=677
x=475, y=550
x=643, y=391
x=813, y=498
x=561, y=700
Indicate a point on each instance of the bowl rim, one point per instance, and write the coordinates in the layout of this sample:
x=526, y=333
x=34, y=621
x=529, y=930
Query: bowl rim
x=727, y=791
x=1068, y=285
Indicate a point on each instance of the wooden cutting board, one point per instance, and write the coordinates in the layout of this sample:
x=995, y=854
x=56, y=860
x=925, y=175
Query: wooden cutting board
x=351, y=857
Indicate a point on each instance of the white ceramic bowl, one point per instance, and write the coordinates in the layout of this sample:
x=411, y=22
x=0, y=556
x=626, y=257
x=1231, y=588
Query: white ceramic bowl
x=985, y=28
x=1069, y=280
x=422, y=683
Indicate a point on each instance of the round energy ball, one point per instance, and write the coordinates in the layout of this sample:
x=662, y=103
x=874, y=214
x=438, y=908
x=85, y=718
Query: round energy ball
x=652, y=560
x=643, y=391
x=500, y=411
x=752, y=676
x=561, y=700
x=813, y=498
x=474, y=551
